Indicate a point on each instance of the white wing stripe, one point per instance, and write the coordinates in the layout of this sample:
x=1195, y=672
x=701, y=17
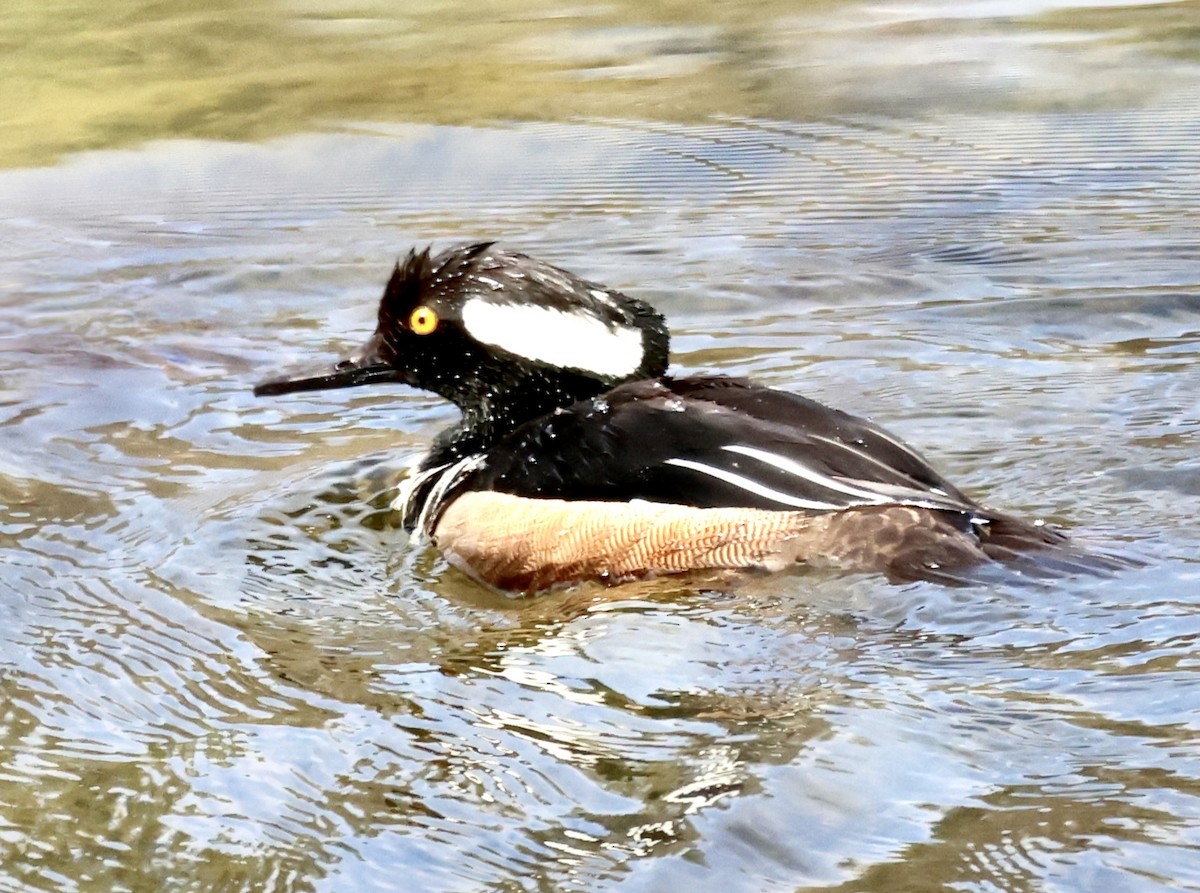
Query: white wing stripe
x=750, y=486
x=802, y=471
x=861, y=454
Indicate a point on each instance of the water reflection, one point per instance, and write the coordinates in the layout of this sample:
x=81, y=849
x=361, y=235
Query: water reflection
x=221, y=665
x=263, y=69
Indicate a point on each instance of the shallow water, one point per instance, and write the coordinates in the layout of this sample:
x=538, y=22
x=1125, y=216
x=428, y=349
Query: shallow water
x=223, y=667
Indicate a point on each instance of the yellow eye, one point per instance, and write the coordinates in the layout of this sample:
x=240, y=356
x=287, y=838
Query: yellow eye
x=423, y=320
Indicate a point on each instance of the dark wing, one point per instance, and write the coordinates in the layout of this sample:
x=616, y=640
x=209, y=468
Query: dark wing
x=712, y=442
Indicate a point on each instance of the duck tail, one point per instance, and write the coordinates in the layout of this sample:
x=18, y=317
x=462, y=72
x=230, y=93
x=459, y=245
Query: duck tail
x=1041, y=551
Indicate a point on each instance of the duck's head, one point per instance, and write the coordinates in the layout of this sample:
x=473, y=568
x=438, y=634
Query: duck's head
x=498, y=333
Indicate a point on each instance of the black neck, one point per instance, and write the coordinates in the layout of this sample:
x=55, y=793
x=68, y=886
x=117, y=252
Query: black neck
x=490, y=417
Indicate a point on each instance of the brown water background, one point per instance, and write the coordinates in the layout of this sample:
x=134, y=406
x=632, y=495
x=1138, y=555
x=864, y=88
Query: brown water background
x=223, y=667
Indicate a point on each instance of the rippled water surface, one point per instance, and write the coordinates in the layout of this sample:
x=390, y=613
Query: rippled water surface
x=222, y=666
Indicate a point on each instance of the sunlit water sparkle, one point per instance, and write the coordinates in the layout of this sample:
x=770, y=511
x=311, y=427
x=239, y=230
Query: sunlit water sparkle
x=224, y=667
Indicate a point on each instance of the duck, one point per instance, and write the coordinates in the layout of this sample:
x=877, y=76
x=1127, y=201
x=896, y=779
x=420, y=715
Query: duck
x=578, y=457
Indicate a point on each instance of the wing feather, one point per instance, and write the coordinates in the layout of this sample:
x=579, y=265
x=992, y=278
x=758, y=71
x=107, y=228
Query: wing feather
x=713, y=442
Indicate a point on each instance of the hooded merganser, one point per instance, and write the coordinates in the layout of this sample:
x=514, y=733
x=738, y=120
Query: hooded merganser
x=577, y=457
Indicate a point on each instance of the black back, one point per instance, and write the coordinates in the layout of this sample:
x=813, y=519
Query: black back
x=712, y=442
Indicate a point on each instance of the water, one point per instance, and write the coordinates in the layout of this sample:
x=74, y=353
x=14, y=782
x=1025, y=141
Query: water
x=223, y=667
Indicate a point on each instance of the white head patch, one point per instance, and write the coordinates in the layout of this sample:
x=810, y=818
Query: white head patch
x=555, y=337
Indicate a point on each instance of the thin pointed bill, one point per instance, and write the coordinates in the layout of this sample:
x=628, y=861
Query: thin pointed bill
x=363, y=368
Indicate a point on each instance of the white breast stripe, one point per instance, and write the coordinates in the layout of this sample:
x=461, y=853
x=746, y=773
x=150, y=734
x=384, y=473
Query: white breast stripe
x=802, y=471
x=447, y=476
x=555, y=337
x=753, y=487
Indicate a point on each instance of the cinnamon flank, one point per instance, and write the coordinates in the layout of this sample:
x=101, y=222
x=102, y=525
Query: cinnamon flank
x=526, y=544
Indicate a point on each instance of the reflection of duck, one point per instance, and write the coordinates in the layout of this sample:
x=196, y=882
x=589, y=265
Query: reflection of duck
x=577, y=457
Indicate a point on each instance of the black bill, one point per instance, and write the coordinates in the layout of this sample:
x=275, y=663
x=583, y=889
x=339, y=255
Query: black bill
x=367, y=368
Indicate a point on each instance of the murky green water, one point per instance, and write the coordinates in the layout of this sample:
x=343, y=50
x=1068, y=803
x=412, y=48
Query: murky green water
x=222, y=667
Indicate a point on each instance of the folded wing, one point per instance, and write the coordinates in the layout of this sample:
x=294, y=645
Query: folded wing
x=715, y=442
